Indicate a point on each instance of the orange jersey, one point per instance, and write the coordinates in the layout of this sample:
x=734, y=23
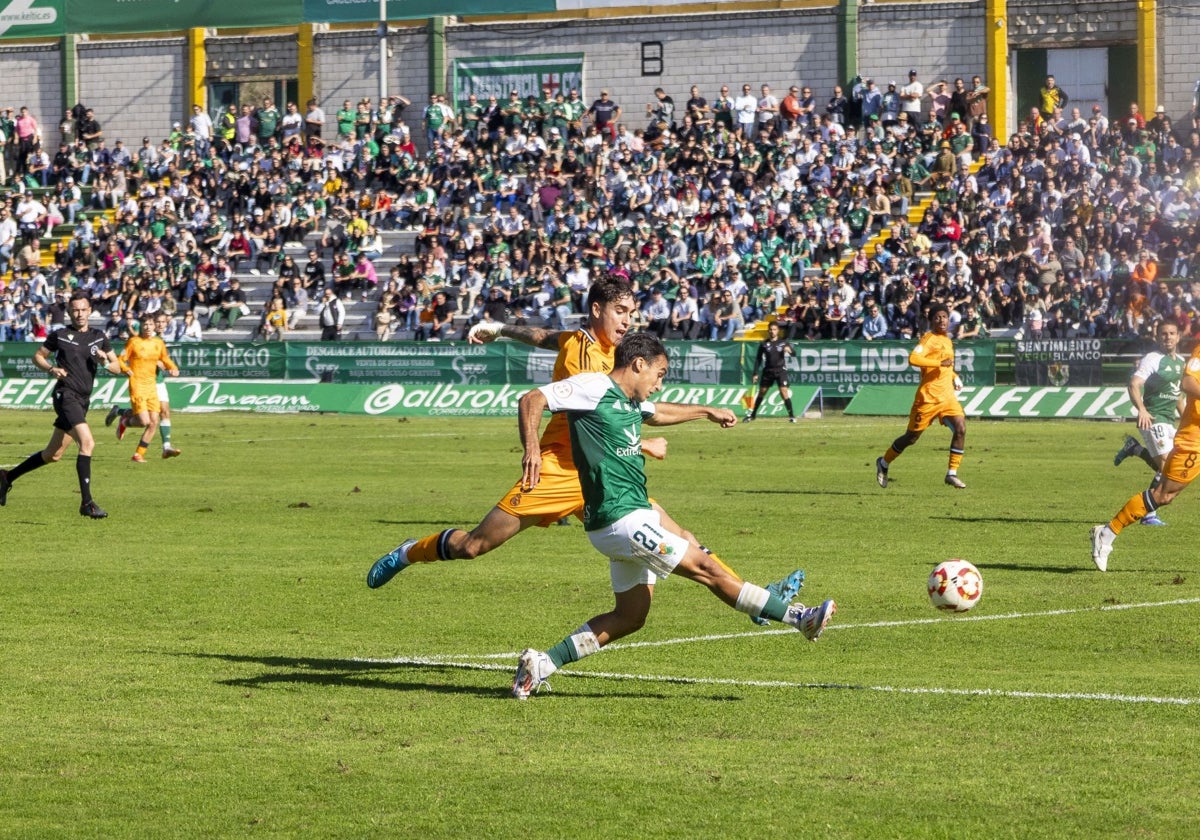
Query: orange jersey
x=937, y=381
x=1188, y=436
x=140, y=359
x=578, y=352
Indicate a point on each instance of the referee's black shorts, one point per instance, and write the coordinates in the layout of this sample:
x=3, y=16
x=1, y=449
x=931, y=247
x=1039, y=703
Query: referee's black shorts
x=773, y=377
x=70, y=409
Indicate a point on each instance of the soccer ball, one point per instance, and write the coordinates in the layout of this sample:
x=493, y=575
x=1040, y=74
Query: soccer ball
x=955, y=585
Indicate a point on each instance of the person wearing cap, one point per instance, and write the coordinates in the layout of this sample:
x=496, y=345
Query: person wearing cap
x=911, y=95
x=872, y=101
x=605, y=114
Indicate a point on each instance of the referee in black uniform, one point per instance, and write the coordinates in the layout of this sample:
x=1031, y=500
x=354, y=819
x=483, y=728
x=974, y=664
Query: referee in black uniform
x=71, y=356
x=772, y=358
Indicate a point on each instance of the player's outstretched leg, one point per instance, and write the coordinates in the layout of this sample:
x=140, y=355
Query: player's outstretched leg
x=113, y=414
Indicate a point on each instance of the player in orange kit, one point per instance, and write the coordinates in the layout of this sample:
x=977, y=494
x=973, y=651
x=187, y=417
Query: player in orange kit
x=1179, y=469
x=140, y=360
x=936, y=399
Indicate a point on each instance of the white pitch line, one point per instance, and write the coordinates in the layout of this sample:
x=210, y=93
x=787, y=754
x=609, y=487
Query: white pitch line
x=914, y=622
x=886, y=689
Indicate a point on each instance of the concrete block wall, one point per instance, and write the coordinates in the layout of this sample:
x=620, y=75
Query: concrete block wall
x=135, y=87
x=251, y=57
x=347, y=67
x=1178, y=58
x=1053, y=25
x=32, y=77
x=774, y=48
x=938, y=40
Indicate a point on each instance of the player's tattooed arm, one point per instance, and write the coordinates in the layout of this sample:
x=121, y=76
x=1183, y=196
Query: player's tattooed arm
x=535, y=336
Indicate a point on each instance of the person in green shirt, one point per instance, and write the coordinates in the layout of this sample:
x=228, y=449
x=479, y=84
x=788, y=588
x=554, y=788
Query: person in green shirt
x=346, y=117
x=1154, y=390
x=267, y=118
x=605, y=413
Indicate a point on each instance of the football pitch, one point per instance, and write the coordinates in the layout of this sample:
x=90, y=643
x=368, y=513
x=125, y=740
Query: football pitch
x=208, y=661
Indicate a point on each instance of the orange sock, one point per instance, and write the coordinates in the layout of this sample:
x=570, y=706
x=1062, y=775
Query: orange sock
x=955, y=460
x=1134, y=510
x=141, y=449
x=721, y=562
x=424, y=550
x=890, y=455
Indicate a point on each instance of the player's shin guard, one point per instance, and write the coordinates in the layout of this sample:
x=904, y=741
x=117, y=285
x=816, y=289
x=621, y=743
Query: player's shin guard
x=1134, y=509
x=83, y=468
x=581, y=643
x=757, y=602
x=956, y=456
x=893, y=451
x=431, y=548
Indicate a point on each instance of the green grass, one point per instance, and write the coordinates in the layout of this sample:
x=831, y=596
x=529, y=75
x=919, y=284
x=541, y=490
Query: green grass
x=196, y=665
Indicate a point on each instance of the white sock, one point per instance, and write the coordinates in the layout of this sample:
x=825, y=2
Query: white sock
x=752, y=599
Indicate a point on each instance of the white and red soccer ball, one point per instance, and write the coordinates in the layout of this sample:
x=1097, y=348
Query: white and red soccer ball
x=955, y=585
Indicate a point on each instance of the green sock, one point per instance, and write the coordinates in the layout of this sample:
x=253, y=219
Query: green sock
x=164, y=428
x=579, y=644
x=775, y=609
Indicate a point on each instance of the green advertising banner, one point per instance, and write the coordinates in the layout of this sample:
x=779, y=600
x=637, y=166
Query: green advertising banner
x=843, y=367
x=349, y=11
x=1111, y=403
x=32, y=19
x=429, y=399
x=499, y=75
x=122, y=16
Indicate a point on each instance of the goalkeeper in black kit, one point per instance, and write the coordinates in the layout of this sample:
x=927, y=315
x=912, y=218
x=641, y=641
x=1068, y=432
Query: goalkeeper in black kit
x=772, y=360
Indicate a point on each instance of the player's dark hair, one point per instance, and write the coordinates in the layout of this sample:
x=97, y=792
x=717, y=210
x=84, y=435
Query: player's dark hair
x=80, y=294
x=606, y=290
x=935, y=308
x=638, y=345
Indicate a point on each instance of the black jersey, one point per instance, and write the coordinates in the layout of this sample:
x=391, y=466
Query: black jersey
x=772, y=355
x=77, y=352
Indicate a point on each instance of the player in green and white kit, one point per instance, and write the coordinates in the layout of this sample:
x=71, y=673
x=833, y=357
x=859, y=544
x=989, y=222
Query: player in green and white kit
x=606, y=412
x=1154, y=392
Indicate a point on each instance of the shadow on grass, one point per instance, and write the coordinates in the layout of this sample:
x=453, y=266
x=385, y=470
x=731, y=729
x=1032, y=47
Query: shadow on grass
x=1023, y=567
x=813, y=492
x=1016, y=520
x=353, y=673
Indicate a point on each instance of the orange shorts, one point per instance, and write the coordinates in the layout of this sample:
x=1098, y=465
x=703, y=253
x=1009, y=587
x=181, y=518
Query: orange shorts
x=1182, y=465
x=147, y=401
x=923, y=415
x=558, y=494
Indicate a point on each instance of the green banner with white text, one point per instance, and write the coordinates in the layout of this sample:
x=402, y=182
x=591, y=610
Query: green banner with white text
x=499, y=75
x=1100, y=403
x=427, y=399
